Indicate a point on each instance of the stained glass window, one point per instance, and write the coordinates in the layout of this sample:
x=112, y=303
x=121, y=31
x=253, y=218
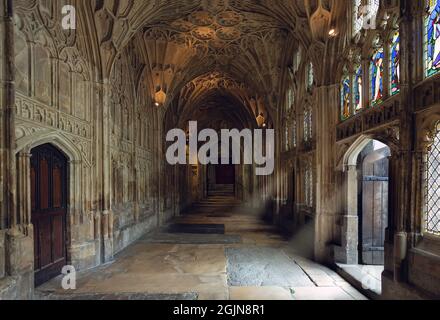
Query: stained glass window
x=358, y=89
x=395, y=64
x=432, y=37
x=376, y=76
x=345, y=97
x=432, y=215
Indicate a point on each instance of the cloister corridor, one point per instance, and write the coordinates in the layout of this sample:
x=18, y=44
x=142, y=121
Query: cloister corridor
x=249, y=261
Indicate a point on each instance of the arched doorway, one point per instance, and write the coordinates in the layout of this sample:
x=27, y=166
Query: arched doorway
x=221, y=179
x=367, y=213
x=373, y=166
x=49, y=211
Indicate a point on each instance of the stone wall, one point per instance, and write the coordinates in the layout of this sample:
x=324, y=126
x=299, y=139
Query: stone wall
x=97, y=122
x=404, y=122
x=105, y=94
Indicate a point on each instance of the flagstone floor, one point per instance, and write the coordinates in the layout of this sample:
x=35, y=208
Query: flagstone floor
x=251, y=261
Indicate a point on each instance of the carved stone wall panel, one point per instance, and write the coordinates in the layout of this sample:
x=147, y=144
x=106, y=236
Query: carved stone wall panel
x=31, y=110
x=369, y=119
x=427, y=93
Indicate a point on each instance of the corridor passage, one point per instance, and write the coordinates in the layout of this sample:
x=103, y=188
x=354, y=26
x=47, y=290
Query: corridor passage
x=216, y=251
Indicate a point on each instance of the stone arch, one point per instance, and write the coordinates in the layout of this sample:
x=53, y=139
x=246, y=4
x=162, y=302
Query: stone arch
x=74, y=179
x=350, y=156
x=348, y=253
x=426, y=126
x=27, y=143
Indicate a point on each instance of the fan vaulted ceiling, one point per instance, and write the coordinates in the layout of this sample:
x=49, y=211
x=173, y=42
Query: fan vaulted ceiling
x=172, y=43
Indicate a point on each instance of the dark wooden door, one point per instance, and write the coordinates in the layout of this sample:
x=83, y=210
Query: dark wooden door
x=374, y=211
x=49, y=209
x=225, y=174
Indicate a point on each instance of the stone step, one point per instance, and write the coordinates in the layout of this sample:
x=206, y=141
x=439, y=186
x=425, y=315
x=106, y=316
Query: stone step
x=196, y=228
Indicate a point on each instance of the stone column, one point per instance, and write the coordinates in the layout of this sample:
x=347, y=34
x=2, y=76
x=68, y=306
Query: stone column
x=107, y=214
x=97, y=168
x=5, y=94
x=7, y=118
x=348, y=252
x=17, y=258
x=276, y=178
x=24, y=193
x=402, y=167
x=326, y=116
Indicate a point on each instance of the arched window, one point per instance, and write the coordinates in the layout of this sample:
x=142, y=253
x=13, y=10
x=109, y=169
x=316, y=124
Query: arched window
x=358, y=84
x=308, y=182
x=294, y=140
x=345, y=97
x=432, y=37
x=395, y=64
x=290, y=99
x=364, y=15
x=310, y=76
x=297, y=60
x=287, y=138
x=357, y=17
x=290, y=107
x=376, y=77
x=308, y=123
x=432, y=198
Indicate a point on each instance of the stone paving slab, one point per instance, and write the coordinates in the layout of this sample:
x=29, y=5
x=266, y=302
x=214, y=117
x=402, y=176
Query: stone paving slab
x=260, y=266
x=321, y=293
x=185, y=238
x=251, y=262
x=259, y=293
x=196, y=228
x=117, y=296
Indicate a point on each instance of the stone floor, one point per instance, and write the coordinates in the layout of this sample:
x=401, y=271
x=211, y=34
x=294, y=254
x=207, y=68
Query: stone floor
x=251, y=261
x=364, y=276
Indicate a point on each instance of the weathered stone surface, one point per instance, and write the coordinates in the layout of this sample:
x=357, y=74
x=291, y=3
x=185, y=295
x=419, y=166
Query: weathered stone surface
x=117, y=296
x=161, y=237
x=2, y=253
x=20, y=250
x=255, y=266
x=107, y=101
x=259, y=293
x=156, y=270
x=196, y=228
x=8, y=288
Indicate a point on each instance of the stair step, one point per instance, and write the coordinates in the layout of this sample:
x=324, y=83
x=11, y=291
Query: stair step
x=197, y=228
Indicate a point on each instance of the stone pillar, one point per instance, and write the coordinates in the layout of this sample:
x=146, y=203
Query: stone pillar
x=7, y=118
x=24, y=193
x=276, y=178
x=402, y=168
x=75, y=199
x=348, y=252
x=98, y=168
x=17, y=250
x=325, y=119
x=159, y=172
x=107, y=214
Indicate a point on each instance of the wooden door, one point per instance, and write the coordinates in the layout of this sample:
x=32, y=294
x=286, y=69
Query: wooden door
x=374, y=211
x=49, y=209
x=225, y=174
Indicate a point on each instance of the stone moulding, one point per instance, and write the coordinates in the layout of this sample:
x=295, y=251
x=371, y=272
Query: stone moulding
x=370, y=119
